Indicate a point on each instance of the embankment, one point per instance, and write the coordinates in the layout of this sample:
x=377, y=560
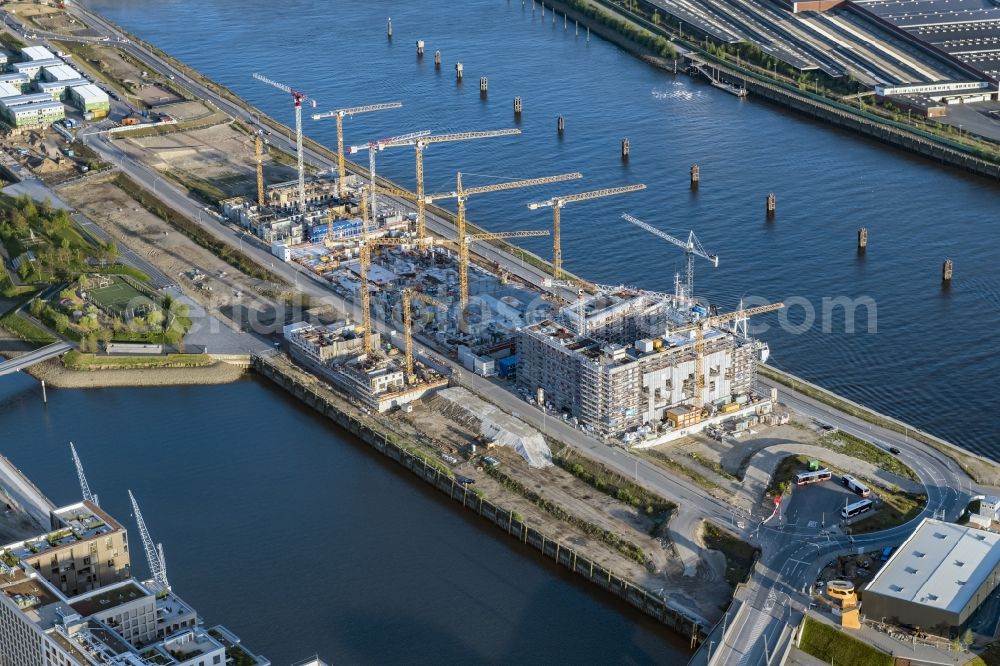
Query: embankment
x=504, y=519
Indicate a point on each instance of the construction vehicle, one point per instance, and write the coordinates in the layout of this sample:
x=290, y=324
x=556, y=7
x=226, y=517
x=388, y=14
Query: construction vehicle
x=339, y=114
x=556, y=203
x=692, y=248
x=298, y=97
x=460, y=195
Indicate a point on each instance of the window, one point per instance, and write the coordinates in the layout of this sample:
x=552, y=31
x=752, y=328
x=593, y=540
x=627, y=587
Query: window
x=216, y=659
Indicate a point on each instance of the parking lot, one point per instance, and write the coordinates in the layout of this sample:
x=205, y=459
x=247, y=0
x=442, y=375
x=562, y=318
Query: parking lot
x=816, y=506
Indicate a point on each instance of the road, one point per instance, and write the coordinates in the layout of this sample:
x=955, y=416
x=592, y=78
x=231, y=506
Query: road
x=775, y=597
x=31, y=358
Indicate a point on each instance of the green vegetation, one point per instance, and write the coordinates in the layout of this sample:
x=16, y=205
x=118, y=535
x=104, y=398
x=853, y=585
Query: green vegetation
x=194, y=231
x=75, y=360
x=611, y=483
x=90, y=58
x=831, y=645
x=8, y=558
x=627, y=548
x=781, y=479
x=964, y=460
x=897, y=508
x=740, y=556
x=237, y=656
x=664, y=460
x=25, y=329
x=417, y=452
x=11, y=42
x=656, y=44
x=856, y=447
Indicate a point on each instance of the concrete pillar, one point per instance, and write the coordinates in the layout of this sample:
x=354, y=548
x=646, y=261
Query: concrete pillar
x=695, y=176
x=437, y=60
x=45, y=397
x=420, y=48
x=560, y=125
x=946, y=271
x=458, y=71
x=388, y=29
x=625, y=148
x=862, y=239
x=771, y=204
x=517, y=108
x=484, y=85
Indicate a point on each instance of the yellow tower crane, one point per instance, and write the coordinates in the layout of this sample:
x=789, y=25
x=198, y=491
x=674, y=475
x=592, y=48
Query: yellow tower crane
x=556, y=203
x=699, y=328
x=339, y=115
x=420, y=144
x=258, y=149
x=460, y=195
x=408, y=295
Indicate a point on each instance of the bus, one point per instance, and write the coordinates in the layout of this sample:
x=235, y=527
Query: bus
x=856, y=509
x=804, y=478
x=853, y=484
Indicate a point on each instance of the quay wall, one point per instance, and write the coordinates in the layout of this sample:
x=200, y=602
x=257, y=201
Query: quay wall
x=897, y=134
x=498, y=516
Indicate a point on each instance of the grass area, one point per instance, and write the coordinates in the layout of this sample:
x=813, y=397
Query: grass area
x=964, y=460
x=11, y=42
x=170, y=128
x=195, y=232
x=119, y=295
x=784, y=473
x=91, y=59
x=664, y=460
x=611, y=483
x=122, y=269
x=740, y=556
x=897, y=508
x=856, y=447
x=831, y=645
x=75, y=360
x=25, y=329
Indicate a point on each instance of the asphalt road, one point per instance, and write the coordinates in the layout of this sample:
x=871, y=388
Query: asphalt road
x=792, y=555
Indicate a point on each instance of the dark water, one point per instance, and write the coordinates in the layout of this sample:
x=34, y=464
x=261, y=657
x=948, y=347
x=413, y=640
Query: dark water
x=301, y=540
x=932, y=360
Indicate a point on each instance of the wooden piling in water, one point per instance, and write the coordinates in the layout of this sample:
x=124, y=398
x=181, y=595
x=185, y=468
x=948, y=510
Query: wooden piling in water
x=625, y=148
x=862, y=239
x=695, y=176
x=946, y=270
x=771, y=205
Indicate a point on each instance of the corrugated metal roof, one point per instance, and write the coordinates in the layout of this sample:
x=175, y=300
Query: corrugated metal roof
x=941, y=565
x=37, y=53
x=90, y=93
x=62, y=73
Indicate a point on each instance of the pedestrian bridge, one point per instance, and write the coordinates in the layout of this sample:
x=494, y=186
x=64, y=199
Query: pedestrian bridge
x=33, y=357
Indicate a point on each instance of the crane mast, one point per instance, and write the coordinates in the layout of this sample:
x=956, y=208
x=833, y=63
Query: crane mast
x=692, y=248
x=556, y=203
x=339, y=115
x=298, y=97
x=258, y=150
x=460, y=195
x=154, y=554
x=380, y=145
x=84, y=486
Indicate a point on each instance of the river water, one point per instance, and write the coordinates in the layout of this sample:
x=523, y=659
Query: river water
x=300, y=540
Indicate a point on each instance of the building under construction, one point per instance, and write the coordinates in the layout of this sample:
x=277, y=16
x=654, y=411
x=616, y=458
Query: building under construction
x=625, y=364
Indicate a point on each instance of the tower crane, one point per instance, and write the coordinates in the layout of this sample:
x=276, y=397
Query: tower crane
x=339, y=115
x=460, y=195
x=408, y=295
x=258, y=149
x=84, y=486
x=422, y=143
x=692, y=248
x=154, y=553
x=379, y=145
x=298, y=97
x=556, y=203
x=712, y=322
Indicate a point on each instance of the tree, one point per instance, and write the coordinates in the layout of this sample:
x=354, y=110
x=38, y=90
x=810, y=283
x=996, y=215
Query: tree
x=968, y=638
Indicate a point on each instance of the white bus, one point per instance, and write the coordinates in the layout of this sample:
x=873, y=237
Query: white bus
x=853, y=484
x=803, y=478
x=856, y=509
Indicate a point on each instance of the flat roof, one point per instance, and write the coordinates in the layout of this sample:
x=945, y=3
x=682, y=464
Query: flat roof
x=7, y=90
x=941, y=565
x=24, y=100
x=109, y=597
x=68, y=83
x=14, y=76
x=63, y=73
x=90, y=93
x=37, y=53
x=38, y=64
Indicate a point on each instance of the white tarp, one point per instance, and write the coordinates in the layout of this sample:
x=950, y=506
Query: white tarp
x=501, y=428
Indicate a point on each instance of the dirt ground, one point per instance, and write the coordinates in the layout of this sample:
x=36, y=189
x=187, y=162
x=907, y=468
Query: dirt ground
x=44, y=154
x=47, y=18
x=173, y=253
x=703, y=594
x=219, y=160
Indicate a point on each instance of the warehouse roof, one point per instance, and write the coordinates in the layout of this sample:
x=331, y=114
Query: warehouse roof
x=36, y=64
x=7, y=90
x=941, y=565
x=90, y=93
x=37, y=53
x=53, y=85
x=62, y=73
x=21, y=100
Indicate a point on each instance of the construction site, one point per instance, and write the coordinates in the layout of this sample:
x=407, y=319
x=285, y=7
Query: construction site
x=634, y=367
